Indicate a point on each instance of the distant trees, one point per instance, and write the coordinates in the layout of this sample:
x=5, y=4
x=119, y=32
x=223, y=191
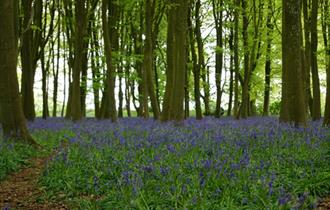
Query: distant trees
x=220, y=55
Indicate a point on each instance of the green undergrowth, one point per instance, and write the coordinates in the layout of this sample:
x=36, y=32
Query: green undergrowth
x=15, y=155
x=207, y=165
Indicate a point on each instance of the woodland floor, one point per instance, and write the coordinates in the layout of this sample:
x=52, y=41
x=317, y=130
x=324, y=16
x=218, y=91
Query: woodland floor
x=21, y=191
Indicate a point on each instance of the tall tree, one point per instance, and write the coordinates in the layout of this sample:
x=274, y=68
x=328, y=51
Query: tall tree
x=292, y=82
x=176, y=61
x=201, y=59
x=13, y=121
x=326, y=37
x=150, y=7
x=315, y=74
x=108, y=106
x=244, y=109
x=218, y=16
x=32, y=47
x=196, y=70
x=80, y=31
x=268, y=63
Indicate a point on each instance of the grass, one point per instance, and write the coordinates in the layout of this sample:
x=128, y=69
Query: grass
x=208, y=164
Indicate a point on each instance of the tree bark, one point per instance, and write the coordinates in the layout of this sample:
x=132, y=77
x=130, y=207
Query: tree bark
x=13, y=121
x=108, y=106
x=148, y=57
x=176, y=61
x=218, y=16
x=326, y=38
x=307, y=58
x=315, y=74
x=245, y=88
x=268, y=63
x=201, y=60
x=196, y=70
x=293, y=100
x=80, y=31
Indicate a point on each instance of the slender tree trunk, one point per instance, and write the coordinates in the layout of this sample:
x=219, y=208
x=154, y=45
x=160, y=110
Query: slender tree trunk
x=27, y=62
x=245, y=88
x=326, y=38
x=95, y=62
x=315, y=74
x=108, y=100
x=201, y=60
x=268, y=60
x=80, y=31
x=232, y=67
x=56, y=71
x=236, y=58
x=196, y=71
x=218, y=16
x=307, y=60
x=148, y=58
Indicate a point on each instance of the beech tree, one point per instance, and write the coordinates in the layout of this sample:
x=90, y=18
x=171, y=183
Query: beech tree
x=326, y=38
x=108, y=107
x=80, y=31
x=12, y=117
x=176, y=60
x=293, y=100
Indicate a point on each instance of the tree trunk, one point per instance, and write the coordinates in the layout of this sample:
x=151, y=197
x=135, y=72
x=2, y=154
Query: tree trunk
x=326, y=38
x=268, y=68
x=292, y=87
x=245, y=88
x=108, y=107
x=232, y=67
x=218, y=16
x=236, y=58
x=201, y=60
x=148, y=57
x=307, y=60
x=315, y=74
x=95, y=62
x=13, y=121
x=176, y=61
x=27, y=62
x=196, y=71
x=80, y=31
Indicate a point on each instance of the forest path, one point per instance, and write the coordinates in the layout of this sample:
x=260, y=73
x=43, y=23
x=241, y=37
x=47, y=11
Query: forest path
x=324, y=204
x=21, y=190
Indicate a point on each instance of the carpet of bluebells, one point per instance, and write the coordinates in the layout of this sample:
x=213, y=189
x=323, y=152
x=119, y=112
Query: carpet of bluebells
x=209, y=164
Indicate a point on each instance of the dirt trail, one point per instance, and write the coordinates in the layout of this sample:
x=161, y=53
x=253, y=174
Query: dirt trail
x=21, y=191
x=325, y=204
